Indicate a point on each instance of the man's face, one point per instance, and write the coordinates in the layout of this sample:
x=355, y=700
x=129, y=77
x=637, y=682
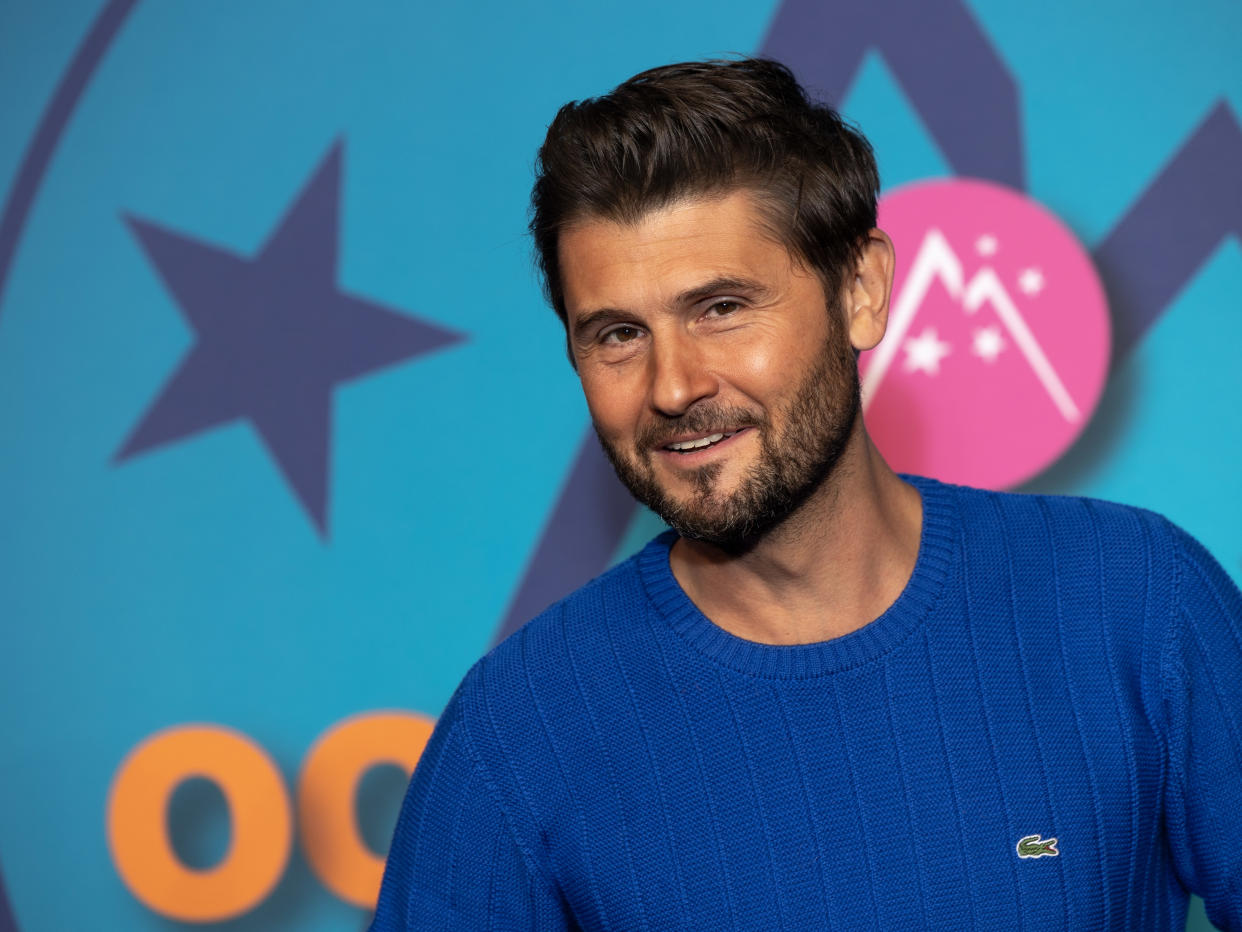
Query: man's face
x=722, y=388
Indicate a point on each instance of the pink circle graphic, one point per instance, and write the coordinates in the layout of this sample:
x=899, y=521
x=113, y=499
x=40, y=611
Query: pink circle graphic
x=998, y=336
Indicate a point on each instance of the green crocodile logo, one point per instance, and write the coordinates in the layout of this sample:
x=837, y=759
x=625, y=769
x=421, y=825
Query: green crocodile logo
x=1032, y=846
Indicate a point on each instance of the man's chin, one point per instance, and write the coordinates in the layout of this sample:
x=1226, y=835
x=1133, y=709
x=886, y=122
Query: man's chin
x=706, y=515
x=691, y=502
x=733, y=538
x=713, y=483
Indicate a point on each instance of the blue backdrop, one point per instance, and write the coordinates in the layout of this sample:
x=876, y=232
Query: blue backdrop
x=276, y=527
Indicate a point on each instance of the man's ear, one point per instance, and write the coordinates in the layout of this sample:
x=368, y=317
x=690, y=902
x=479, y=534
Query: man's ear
x=867, y=296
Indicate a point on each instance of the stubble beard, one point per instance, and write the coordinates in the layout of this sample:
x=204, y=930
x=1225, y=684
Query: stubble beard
x=790, y=467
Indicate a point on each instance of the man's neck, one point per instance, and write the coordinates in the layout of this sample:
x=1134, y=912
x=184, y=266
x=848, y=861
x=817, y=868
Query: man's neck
x=830, y=568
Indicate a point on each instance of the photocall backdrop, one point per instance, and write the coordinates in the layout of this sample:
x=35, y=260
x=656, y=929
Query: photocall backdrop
x=288, y=438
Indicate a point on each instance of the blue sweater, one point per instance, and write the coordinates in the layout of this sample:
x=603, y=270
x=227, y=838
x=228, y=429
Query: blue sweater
x=1044, y=731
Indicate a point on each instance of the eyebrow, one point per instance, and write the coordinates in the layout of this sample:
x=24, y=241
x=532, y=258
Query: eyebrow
x=608, y=315
x=595, y=319
x=745, y=286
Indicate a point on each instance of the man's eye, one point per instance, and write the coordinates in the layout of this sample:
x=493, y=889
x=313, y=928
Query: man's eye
x=619, y=335
x=724, y=308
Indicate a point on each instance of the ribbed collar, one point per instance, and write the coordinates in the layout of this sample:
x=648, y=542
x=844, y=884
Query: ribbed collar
x=937, y=549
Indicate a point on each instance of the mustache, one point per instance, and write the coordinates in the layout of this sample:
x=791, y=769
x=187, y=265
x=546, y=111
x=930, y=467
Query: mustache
x=701, y=418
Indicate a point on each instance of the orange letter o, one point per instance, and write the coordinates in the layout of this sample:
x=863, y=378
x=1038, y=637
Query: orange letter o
x=258, y=805
x=326, y=791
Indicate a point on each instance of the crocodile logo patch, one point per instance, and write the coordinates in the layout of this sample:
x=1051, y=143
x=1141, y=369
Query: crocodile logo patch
x=1032, y=846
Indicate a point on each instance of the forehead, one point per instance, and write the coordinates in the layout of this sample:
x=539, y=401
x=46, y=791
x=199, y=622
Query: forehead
x=667, y=251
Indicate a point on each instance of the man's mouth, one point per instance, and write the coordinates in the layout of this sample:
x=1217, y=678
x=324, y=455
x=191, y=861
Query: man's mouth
x=701, y=443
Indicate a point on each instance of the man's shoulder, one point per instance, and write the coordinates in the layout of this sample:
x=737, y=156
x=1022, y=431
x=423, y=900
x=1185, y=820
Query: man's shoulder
x=1075, y=573
x=1066, y=519
x=578, y=615
x=1074, y=539
x=537, y=697
x=563, y=646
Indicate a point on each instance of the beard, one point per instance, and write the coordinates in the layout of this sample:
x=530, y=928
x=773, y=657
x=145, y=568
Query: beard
x=794, y=461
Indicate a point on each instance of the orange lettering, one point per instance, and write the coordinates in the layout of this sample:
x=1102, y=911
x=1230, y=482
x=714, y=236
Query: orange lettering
x=258, y=806
x=327, y=788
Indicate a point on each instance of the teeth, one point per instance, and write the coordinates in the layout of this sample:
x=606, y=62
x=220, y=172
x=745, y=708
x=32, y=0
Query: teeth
x=700, y=443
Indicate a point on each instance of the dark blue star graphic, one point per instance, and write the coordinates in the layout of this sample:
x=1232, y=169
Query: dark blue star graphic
x=275, y=336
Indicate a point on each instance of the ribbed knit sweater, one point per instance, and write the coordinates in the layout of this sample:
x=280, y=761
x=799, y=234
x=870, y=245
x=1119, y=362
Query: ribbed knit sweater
x=1055, y=669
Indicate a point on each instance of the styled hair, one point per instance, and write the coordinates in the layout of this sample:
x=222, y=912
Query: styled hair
x=701, y=129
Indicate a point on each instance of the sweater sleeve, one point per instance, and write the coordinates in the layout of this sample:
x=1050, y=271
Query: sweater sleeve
x=454, y=863
x=1203, y=694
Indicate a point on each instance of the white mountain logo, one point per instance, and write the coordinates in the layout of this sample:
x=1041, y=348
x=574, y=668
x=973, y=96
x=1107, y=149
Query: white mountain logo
x=936, y=261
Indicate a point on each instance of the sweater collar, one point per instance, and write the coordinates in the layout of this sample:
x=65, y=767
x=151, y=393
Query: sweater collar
x=937, y=550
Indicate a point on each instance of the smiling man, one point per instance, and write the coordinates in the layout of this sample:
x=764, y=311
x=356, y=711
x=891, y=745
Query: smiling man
x=831, y=697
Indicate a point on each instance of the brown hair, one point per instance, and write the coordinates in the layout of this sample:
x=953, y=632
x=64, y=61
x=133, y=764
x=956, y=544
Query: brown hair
x=701, y=128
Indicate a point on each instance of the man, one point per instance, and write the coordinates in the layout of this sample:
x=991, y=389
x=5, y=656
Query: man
x=832, y=697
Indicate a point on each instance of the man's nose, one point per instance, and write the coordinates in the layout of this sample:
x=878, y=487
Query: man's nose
x=680, y=374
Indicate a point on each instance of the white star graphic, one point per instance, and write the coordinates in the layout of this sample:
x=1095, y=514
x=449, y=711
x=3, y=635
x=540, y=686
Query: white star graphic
x=925, y=351
x=988, y=344
x=986, y=245
x=1031, y=281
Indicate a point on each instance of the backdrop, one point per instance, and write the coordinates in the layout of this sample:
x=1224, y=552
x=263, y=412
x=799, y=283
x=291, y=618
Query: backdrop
x=288, y=438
